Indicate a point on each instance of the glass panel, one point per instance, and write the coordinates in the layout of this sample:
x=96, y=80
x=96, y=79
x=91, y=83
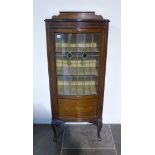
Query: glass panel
x=77, y=63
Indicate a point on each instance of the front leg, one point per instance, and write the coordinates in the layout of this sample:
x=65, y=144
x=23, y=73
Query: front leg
x=54, y=131
x=99, y=127
x=55, y=124
x=98, y=123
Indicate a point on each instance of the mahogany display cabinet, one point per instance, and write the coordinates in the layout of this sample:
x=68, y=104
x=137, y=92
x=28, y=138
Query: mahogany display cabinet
x=77, y=50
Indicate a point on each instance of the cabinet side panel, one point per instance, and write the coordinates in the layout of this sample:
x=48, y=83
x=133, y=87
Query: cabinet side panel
x=51, y=71
x=102, y=70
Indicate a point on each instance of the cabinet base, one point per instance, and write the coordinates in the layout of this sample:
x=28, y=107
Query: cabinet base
x=56, y=123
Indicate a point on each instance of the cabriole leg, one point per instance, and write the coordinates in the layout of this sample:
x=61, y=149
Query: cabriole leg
x=55, y=124
x=98, y=123
x=54, y=131
x=99, y=127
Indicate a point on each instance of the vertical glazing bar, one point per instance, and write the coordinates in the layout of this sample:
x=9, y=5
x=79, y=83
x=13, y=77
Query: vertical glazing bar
x=70, y=85
x=70, y=78
x=62, y=64
x=84, y=85
x=84, y=62
x=76, y=65
x=77, y=86
x=91, y=62
x=69, y=36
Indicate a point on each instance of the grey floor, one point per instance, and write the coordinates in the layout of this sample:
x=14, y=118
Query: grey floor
x=77, y=140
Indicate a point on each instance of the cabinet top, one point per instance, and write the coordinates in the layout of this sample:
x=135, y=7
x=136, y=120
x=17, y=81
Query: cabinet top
x=77, y=16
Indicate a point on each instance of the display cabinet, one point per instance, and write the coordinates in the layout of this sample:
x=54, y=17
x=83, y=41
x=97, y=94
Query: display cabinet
x=77, y=49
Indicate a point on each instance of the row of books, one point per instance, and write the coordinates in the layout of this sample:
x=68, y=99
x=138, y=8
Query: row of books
x=76, y=44
x=74, y=90
x=76, y=63
x=77, y=71
x=76, y=83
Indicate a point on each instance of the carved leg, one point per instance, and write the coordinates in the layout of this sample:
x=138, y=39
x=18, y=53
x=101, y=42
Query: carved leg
x=98, y=123
x=55, y=124
x=99, y=127
x=54, y=132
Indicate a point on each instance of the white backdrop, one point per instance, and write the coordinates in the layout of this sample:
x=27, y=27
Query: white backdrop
x=110, y=9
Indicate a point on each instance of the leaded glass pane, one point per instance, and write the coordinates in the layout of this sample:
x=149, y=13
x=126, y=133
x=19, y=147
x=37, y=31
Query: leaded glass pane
x=77, y=63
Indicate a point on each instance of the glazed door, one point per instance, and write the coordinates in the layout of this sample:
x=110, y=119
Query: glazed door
x=77, y=63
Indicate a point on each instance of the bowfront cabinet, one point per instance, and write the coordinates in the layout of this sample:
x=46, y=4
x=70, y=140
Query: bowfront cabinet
x=76, y=50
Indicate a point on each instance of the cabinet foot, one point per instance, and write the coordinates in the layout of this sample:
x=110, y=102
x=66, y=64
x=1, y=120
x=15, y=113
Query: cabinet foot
x=99, y=127
x=55, y=124
x=98, y=123
x=54, y=132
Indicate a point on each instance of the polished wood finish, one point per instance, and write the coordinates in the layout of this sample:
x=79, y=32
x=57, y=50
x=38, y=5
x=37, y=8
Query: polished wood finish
x=76, y=108
x=77, y=16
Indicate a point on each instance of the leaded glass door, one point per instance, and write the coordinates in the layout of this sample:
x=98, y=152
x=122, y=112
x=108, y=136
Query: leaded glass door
x=77, y=63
